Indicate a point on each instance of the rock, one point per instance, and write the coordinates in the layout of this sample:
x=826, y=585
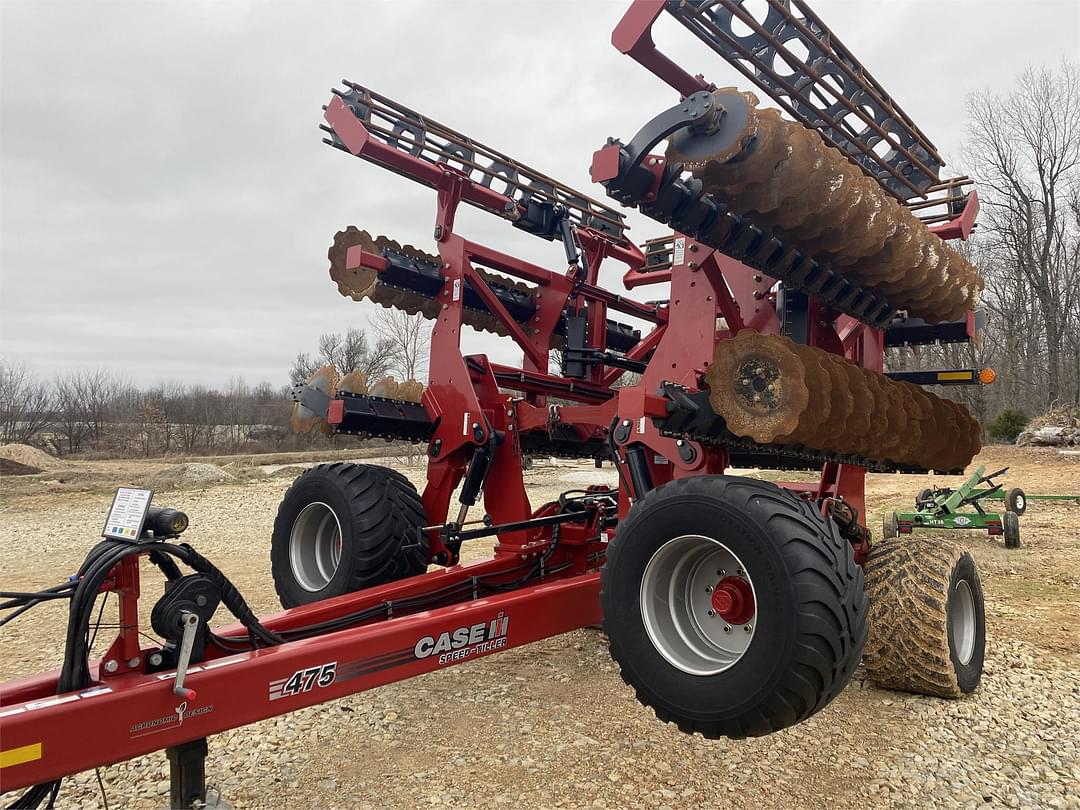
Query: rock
x=1048, y=437
x=192, y=473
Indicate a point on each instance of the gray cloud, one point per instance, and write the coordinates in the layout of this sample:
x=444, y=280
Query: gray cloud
x=165, y=203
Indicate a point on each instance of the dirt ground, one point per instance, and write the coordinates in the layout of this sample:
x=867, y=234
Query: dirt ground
x=551, y=724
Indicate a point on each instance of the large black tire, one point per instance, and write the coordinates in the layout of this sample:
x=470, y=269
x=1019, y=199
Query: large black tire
x=924, y=498
x=374, y=511
x=1010, y=525
x=1016, y=501
x=927, y=618
x=808, y=629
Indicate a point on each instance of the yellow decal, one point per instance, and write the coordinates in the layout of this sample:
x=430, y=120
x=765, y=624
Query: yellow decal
x=954, y=375
x=17, y=756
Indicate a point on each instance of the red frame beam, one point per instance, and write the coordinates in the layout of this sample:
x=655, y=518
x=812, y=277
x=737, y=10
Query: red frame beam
x=136, y=714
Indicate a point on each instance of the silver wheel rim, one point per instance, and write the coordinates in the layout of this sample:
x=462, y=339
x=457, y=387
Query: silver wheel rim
x=676, y=599
x=1019, y=503
x=962, y=622
x=315, y=546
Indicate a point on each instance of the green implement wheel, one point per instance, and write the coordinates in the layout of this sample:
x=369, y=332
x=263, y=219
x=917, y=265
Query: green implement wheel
x=1010, y=524
x=1016, y=501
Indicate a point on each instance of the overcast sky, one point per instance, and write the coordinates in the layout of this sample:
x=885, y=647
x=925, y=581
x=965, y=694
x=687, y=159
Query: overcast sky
x=166, y=204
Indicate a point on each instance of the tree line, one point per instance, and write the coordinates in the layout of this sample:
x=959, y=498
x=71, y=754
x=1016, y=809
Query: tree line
x=97, y=411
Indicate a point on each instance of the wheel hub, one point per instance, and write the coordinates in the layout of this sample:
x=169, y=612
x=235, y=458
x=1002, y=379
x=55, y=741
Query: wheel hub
x=697, y=615
x=315, y=546
x=733, y=600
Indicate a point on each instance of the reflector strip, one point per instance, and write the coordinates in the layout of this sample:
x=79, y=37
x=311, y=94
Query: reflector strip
x=17, y=756
x=955, y=375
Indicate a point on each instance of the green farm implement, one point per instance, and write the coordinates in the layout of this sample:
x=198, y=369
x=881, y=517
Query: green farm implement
x=945, y=508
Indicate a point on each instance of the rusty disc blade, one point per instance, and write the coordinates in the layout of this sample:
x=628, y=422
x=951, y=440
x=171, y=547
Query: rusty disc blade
x=815, y=418
x=410, y=391
x=878, y=421
x=858, y=432
x=357, y=282
x=355, y=382
x=387, y=388
x=918, y=433
x=937, y=440
x=756, y=383
x=304, y=419
x=902, y=423
x=841, y=405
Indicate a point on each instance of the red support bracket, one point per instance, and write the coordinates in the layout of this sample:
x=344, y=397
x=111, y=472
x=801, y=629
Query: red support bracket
x=633, y=36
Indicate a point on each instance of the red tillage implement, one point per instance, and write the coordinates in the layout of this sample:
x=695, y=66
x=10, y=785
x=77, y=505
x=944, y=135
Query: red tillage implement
x=734, y=606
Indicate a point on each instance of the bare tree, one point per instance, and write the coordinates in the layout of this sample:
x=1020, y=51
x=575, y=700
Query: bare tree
x=1025, y=153
x=346, y=352
x=72, y=420
x=25, y=403
x=409, y=337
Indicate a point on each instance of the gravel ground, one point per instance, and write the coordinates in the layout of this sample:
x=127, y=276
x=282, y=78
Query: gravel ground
x=551, y=724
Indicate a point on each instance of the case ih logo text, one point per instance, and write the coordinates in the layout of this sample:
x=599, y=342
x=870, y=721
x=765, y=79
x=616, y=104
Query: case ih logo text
x=465, y=642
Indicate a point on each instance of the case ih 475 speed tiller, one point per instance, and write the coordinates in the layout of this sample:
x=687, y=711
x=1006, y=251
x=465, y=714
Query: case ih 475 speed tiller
x=806, y=240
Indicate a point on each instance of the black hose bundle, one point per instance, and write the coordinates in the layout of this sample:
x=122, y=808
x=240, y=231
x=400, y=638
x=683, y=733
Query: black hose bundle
x=83, y=591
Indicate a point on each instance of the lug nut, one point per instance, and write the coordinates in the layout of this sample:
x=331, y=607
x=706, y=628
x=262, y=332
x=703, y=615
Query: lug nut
x=156, y=659
x=727, y=628
x=708, y=589
x=749, y=628
x=111, y=666
x=134, y=662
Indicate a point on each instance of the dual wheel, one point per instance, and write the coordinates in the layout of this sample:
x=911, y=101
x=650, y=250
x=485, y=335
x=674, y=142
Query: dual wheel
x=344, y=527
x=734, y=609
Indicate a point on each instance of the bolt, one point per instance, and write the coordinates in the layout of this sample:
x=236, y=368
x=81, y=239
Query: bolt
x=693, y=247
x=740, y=573
x=200, y=600
x=708, y=589
x=712, y=612
x=156, y=659
x=727, y=628
x=693, y=265
x=749, y=628
x=111, y=666
x=134, y=662
x=721, y=572
x=652, y=161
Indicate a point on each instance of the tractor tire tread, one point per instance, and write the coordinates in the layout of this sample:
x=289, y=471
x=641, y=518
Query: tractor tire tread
x=907, y=582
x=832, y=601
x=383, y=506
